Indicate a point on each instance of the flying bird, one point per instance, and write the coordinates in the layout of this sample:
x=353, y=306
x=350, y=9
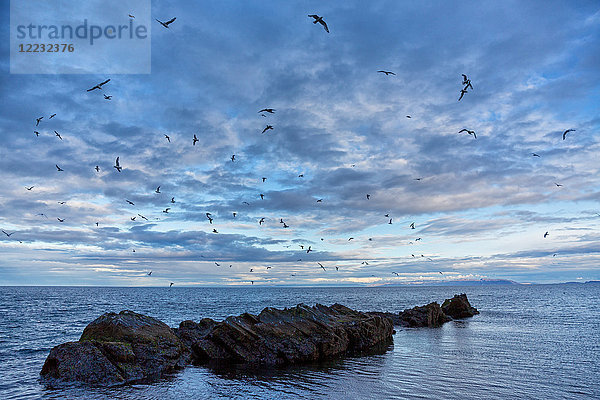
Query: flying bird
x=309, y=249
x=142, y=217
x=97, y=168
x=172, y=200
x=60, y=220
x=130, y=16
x=133, y=218
x=217, y=264
x=319, y=200
x=264, y=179
x=157, y=190
x=469, y=132
x=261, y=221
x=232, y=157
x=117, y=166
x=368, y=196
x=29, y=188
x=535, y=155
x=567, y=131
x=37, y=134
x=557, y=184
x=234, y=214
x=7, y=234
x=390, y=221
x=320, y=21
x=59, y=168
x=269, y=110
x=546, y=234
x=214, y=231
x=52, y=116
x=267, y=128
x=412, y=225
x=462, y=93
x=395, y=273
x=168, y=138
x=321, y=265
x=106, y=97
x=99, y=86
x=166, y=210
x=61, y=202
x=350, y=239
x=166, y=24
x=37, y=120
x=171, y=284
x=387, y=72
x=301, y=176
x=195, y=140
x=130, y=202
x=149, y=273
x=262, y=196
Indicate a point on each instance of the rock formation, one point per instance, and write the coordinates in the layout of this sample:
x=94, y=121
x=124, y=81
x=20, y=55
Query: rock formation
x=129, y=347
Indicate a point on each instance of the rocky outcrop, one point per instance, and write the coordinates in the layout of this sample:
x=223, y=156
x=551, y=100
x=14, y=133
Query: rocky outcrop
x=458, y=307
x=289, y=336
x=432, y=315
x=117, y=348
x=128, y=347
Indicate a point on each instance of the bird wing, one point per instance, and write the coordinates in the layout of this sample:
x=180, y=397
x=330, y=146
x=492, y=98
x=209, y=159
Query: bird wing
x=463, y=130
x=103, y=83
x=324, y=25
x=170, y=21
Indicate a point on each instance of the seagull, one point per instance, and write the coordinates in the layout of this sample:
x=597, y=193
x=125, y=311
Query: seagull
x=417, y=239
x=440, y=272
x=99, y=86
x=133, y=218
x=465, y=79
x=365, y=263
x=232, y=157
x=397, y=274
x=117, y=166
x=166, y=210
x=251, y=269
x=7, y=234
x=52, y=116
x=171, y=284
x=309, y=249
x=285, y=225
x=195, y=140
x=157, y=190
x=269, y=267
x=337, y=268
x=166, y=24
x=234, y=214
x=321, y=265
x=97, y=168
x=37, y=134
x=262, y=196
x=107, y=97
x=320, y=201
x=149, y=273
x=61, y=202
x=469, y=132
x=412, y=225
x=59, y=168
x=350, y=239
x=301, y=176
x=546, y=234
x=557, y=184
x=387, y=72
x=390, y=221
x=142, y=217
x=535, y=155
x=60, y=220
x=130, y=16
x=320, y=21
x=29, y=188
x=408, y=116
x=269, y=110
x=214, y=231
x=246, y=203
x=567, y=131
x=173, y=200
x=37, y=120
x=58, y=135
x=267, y=128
x=462, y=93
x=130, y=202
x=168, y=138
x=252, y=282
x=368, y=196
x=261, y=221
x=264, y=179
x=217, y=264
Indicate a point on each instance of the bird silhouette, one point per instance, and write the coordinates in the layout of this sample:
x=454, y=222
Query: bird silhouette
x=268, y=127
x=149, y=273
x=535, y=155
x=321, y=265
x=59, y=168
x=412, y=225
x=387, y=72
x=171, y=284
x=264, y=179
x=7, y=234
x=117, y=166
x=172, y=200
x=52, y=116
x=309, y=249
x=97, y=168
x=166, y=210
x=58, y=135
x=168, y=138
x=195, y=140
x=269, y=110
x=60, y=219
x=106, y=97
x=166, y=24
x=320, y=21
x=130, y=202
x=546, y=234
x=261, y=221
x=99, y=86
x=567, y=131
x=37, y=134
x=262, y=196
x=368, y=196
x=462, y=93
x=29, y=188
x=37, y=120
x=232, y=157
x=157, y=190
x=469, y=132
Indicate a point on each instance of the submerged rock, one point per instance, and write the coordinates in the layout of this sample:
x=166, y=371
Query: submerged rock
x=128, y=347
x=459, y=307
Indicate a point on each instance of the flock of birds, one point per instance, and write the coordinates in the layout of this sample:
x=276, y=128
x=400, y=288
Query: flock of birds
x=466, y=85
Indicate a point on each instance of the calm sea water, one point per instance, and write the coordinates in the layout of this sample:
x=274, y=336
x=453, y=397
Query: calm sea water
x=529, y=342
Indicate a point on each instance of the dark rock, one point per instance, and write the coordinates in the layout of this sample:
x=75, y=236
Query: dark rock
x=459, y=307
x=288, y=336
x=118, y=348
x=430, y=315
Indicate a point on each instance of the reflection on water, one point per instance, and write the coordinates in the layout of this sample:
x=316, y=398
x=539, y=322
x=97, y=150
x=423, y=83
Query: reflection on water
x=528, y=342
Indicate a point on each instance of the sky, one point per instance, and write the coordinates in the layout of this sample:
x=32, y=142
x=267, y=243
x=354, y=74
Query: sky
x=480, y=206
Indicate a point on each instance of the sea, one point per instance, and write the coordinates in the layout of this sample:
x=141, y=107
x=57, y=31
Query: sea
x=529, y=342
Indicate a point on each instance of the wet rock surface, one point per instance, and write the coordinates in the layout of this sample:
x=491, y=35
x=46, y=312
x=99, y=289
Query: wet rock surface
x=129, y=347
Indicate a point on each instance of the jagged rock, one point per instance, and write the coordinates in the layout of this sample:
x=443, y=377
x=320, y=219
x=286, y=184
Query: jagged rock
x=459, y=307
x=289, y=336
x=118, y=348
x=430, y=315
